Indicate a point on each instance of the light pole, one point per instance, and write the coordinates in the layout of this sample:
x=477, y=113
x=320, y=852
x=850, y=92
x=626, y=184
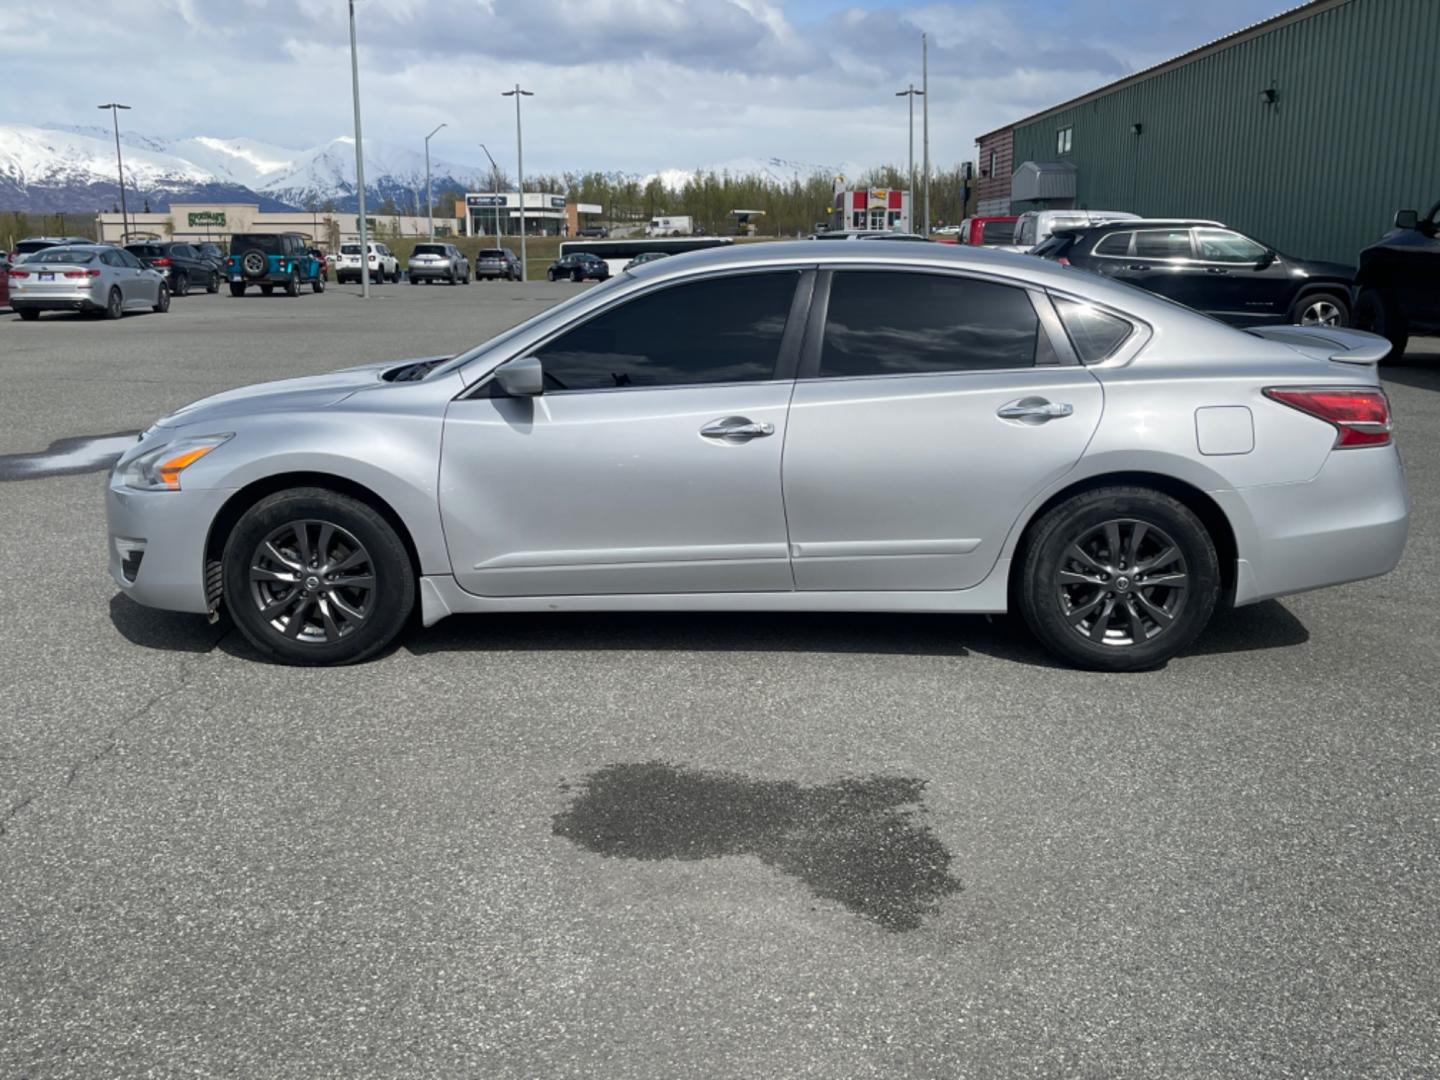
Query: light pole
x=911, y=94
x=494, y=190
x=925, y=121
x=517, y=94
x=359, y=162
x=119, y=167
x=429, y=200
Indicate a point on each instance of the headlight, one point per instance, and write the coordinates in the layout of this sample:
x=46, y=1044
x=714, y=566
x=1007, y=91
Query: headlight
x=160, y=469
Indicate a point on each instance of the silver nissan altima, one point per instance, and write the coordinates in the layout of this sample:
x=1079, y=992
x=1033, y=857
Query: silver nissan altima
x=786, y=427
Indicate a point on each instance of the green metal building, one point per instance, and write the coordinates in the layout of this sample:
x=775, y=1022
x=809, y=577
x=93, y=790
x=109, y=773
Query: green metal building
x=1307, y=131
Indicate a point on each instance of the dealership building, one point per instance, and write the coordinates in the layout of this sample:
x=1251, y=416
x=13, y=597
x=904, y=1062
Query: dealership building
x=546, y=214
x=1308, y=131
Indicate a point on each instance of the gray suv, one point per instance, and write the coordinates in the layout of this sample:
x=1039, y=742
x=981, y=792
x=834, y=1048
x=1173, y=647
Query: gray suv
x=496, y=263
x=438, y=262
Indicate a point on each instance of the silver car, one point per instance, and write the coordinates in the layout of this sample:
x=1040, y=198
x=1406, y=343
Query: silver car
x=786, y=427
x=86, y=277
x=438, y=262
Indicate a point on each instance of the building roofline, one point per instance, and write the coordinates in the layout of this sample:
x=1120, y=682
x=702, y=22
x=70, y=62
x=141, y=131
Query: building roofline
x=1302, y=11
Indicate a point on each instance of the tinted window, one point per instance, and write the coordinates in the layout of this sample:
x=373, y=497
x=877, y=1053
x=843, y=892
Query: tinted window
x=997, y=232
x=147, y=251
x=126, y=259
x=1094, y=333
x=893, y=323
x=1117, y=243
x=111, y=258
x=1163, y=244
x=717, y=331
x=490, y=253
x=1218, y=245
x=248, y=241
x=431, y=249
x=349, y=249
x=62, y=255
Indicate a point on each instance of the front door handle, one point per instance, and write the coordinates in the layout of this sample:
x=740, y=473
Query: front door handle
x=1035, y=410
x=1216, y=270
x=1137, y=266
x=737, y=428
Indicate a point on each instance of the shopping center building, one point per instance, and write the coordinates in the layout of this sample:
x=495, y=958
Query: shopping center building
x=216, y=222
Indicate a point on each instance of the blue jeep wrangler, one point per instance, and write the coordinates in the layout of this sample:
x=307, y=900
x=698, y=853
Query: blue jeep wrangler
x=271, y=259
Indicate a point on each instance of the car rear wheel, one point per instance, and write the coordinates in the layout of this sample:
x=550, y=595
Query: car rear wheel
x=292, y=284
x=577, y=276
x=182, y=284
x=1320, y=309
x=315, y=577
x=114, y=304
x=237, y=288
x=1376, y=312
x=162, y=300
x=213, y=285
x=1118, y=579
x=318, y=285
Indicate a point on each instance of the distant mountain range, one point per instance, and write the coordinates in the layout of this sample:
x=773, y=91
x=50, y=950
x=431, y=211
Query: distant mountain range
x=57, y=167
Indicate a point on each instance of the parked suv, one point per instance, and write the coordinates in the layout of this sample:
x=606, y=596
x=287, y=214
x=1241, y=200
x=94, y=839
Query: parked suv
x=1211, y=268
x=383, y=265
x=1399, y=280
x=497, y=263
x=593, y=231
x=438, y=262
x=578, y=267
x=32, y=244
x=270, y=259
x=182, y=265
x=1034, y=227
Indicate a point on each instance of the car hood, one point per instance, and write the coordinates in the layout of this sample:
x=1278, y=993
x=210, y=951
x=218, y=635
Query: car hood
x=308, y=392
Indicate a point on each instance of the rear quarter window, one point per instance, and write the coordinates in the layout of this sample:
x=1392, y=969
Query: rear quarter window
x=1095, y=334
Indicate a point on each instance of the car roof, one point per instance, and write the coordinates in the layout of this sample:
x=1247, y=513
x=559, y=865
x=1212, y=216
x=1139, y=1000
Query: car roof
x=1131, y=224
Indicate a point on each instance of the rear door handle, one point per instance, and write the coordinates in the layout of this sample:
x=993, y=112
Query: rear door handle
x=738, y=428
x=1034, y=410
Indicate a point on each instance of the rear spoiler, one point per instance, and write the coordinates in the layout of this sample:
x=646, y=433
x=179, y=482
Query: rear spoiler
x=1336, y=343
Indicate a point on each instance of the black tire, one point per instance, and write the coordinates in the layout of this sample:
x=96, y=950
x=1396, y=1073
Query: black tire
x=550, y=274
x=1320, y=301
x=385, y=604
x=577, y=276
x=182, y=284
x=395, y=277
x=114, y=304
x=213, y=285
x=1166, y=618
x=318, y=285
x=452, y=277
x=29, y=314
x=237, y=288
x=1377, y=312
x=292, y=284
x=268, y=290
x=162, y=300
x=414, y=280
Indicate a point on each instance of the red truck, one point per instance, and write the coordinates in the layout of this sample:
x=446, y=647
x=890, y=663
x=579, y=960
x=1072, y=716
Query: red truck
x=980, y=231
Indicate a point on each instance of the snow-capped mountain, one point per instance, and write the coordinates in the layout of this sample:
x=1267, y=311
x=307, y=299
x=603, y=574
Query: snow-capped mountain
x=60, y=167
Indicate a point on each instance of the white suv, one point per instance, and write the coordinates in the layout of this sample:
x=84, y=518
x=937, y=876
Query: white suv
x=383, y=264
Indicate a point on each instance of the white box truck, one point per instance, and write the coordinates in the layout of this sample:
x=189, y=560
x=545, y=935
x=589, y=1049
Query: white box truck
x=670, y=226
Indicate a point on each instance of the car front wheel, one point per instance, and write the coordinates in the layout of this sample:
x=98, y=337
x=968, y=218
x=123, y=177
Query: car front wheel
x=315, y=577
x=1377, y=312
x=1118, y=579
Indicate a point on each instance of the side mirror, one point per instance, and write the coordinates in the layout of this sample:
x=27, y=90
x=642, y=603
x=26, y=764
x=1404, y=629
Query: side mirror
x=1265, y=260
x=521, y=377
x=1406, y=219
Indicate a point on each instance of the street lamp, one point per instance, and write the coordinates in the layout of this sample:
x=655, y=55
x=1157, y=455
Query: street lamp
x=911, y=93
x=494, y=190
x=359, y=162
x=429, y=200
x=517, y=94
x=120, y=167
x=925, y=121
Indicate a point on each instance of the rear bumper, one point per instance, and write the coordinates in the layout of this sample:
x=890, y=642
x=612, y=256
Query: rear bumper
x=1348, y=523
x=432, y=270
x=55, y=297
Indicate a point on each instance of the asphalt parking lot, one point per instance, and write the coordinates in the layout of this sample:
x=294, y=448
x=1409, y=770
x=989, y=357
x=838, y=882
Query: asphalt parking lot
x=685, y=845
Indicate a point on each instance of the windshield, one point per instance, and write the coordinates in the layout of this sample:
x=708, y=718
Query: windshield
x=427, y=249
x=349, y=249
x=268, y=243
x=63, y=256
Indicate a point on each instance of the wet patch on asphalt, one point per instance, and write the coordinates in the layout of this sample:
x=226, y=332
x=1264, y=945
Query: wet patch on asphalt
x=64, y=457
x=855, y=841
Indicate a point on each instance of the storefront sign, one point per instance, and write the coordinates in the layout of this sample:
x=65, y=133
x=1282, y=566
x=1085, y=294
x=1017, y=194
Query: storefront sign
x=207, y=219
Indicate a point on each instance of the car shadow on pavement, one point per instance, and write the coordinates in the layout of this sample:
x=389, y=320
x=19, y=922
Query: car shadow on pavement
x=172, y=631
x=1421, y=372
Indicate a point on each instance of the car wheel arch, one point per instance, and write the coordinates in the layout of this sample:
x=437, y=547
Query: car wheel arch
x=243, y=498
x=1217, y=523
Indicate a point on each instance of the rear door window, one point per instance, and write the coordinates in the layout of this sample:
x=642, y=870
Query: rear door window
x=899, y=323
x=1162, y=244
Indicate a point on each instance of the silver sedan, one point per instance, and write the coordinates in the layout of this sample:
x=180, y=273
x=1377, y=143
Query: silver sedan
x=97, y=278
x=787, y=427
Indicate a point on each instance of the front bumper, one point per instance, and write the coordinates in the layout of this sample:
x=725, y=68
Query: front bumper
x=1348, y=523
x=156, y=544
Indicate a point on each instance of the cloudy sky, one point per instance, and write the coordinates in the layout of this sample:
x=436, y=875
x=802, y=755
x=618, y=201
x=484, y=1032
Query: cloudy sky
x=635, y=85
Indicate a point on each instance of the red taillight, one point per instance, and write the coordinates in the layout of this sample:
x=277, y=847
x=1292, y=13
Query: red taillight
x=19, y=273
x=1361, y=417
x=162, y=261
x=1063, y=261
x=82, y=273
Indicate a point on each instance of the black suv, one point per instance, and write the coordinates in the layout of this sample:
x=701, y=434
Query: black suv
x=1399, y=280
x=182, y=265
x=1211, y=268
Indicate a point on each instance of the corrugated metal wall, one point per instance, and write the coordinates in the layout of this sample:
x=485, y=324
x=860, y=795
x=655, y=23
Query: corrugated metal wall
x=1353, y=136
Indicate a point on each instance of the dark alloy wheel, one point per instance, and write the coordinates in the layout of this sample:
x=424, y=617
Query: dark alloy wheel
x=1119, y=579
x=315, y=577
x=114, y=305
x=162, y=300
x=182, y=284
x=213, y=285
